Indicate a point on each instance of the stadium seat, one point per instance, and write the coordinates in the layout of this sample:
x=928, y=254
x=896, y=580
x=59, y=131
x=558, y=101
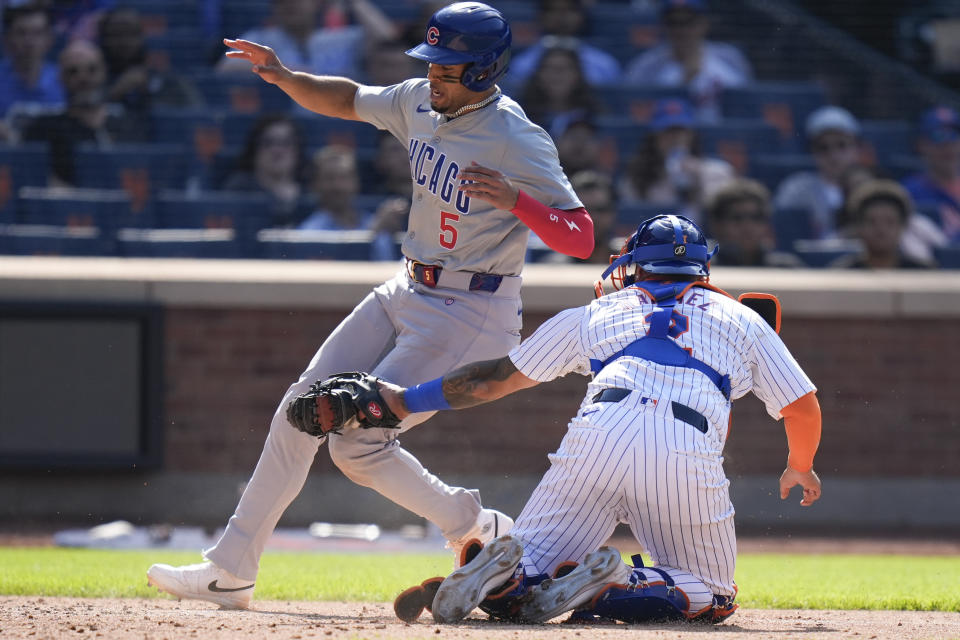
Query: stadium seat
x=948, y=257
x=239, y=16
x=295, y=244
x=181, y=47
x=783, y=105
x=241, y=93
x=623, y=31
x=884, y=140
x=105, y=209
x=20, y=166
x=821, y=253
x=635, y=103
x=791, y=225
x=739, y=141
x=245, y=213
x=138, y=169
x=47, y=240
x=179, y=243
x=772, y=168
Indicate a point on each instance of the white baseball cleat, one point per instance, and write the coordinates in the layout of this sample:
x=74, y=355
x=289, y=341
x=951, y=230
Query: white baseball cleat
x=490, y=524
x=550, y=598
x=465, y=588
x=204, y=581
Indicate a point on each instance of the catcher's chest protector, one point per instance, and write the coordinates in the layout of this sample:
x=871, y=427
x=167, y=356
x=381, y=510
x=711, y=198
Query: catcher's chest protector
x=657, y=346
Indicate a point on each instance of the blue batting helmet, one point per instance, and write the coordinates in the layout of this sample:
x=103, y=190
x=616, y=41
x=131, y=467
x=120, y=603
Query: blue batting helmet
x=469, y=33
x=665, y=244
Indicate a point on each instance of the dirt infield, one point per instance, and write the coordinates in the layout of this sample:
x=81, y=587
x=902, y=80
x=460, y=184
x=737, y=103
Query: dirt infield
x=37, y=617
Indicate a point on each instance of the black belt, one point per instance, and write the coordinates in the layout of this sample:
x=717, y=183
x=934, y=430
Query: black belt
x=680, y=411
x=429, y=275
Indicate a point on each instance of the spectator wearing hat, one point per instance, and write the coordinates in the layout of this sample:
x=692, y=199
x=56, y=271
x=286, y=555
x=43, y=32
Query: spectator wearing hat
x=879, y=211
x=669, y=167
x=687, y=59
x=739, y=220
x=833, y=136
x=939, y=184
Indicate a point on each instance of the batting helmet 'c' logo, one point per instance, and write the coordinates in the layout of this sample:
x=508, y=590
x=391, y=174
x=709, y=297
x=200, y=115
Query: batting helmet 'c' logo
x=433, y=36
x=680, y=250
x=374, y=409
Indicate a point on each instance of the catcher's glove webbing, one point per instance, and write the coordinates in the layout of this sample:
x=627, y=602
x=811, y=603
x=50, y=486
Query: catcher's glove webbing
x=344, y=399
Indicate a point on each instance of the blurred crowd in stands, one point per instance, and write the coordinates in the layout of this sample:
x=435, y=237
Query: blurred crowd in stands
x=124, y=130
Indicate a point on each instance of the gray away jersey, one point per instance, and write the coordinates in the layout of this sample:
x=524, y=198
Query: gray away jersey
x=728, y=336
x=446, y=227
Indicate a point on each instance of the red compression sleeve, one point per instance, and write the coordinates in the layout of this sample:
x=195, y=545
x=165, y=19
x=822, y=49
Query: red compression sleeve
x=569, y=232
x=801, y=419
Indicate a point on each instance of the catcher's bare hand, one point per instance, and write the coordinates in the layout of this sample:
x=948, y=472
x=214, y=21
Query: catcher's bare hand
x=806, y=479
x=344, y=400
x=490, y=186
x=265, y=62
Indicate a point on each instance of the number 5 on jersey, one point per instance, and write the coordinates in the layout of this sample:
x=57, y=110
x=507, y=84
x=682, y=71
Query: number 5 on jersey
x=448, y=232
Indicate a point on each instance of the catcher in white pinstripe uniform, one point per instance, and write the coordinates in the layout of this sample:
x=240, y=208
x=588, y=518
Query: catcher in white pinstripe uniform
x=668, y=353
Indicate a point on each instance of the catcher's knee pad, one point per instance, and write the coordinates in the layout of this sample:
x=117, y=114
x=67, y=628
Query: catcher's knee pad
x=652, y=595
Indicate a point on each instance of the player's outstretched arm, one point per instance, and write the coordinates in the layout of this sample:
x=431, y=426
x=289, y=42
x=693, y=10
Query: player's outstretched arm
x=327, y=95
x=468, y=386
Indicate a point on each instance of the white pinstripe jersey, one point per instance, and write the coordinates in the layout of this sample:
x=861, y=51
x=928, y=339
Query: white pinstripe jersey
x=720, y=331
x=446, y=227
x=635, y=460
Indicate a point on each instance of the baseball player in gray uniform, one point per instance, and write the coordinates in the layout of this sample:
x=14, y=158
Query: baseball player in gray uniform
x=483, y=176
x=668, y=353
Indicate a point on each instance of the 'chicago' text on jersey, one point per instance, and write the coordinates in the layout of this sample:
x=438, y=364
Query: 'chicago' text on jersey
x=438, y=174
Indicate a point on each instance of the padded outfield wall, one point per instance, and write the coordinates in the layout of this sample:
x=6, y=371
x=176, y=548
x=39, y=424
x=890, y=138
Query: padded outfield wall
x=882, y=348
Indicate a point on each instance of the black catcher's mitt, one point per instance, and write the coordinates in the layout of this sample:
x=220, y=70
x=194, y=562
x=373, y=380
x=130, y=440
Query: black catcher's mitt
x=343, y=400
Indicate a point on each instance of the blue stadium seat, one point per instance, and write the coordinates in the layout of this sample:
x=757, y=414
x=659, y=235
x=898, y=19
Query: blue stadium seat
x=182, y=47
x=238, y=16
x=245, y=213
x=903, y=166
x=160, y=16
x=739, y=141
x=635, y=103
x=21, y=166
x=790, y=225
x=884, y=140
x=179, y=243
x=621, y=30
x=46, y=240
x=140, y=170
x=295, y=244
x=241, y=93
x=821, y=253
x=105, y=209
x=772, y=168
x=948, y=257
x=783, y=105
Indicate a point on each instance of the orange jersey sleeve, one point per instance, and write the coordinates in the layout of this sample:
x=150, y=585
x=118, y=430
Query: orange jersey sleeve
x=801, y=420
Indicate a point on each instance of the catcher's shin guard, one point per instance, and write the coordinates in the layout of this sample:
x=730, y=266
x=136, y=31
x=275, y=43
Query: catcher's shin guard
x=651, y=595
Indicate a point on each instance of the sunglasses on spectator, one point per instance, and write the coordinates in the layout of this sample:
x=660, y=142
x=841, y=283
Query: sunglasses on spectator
x=836, y=145
x=88, y=69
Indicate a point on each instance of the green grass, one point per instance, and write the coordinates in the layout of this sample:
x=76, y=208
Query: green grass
x=765, y=580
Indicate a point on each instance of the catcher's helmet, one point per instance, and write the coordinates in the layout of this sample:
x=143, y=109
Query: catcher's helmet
x=471, y=33
x=665, y=244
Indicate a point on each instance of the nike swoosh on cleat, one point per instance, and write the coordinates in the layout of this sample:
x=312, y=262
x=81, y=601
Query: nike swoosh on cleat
x=420, y=109
x=213, y=587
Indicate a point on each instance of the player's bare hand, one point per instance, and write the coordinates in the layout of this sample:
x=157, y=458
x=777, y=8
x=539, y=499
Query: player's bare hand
x=264, y=61
x=393, y=396
x=806, y=479
x=489, y=185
